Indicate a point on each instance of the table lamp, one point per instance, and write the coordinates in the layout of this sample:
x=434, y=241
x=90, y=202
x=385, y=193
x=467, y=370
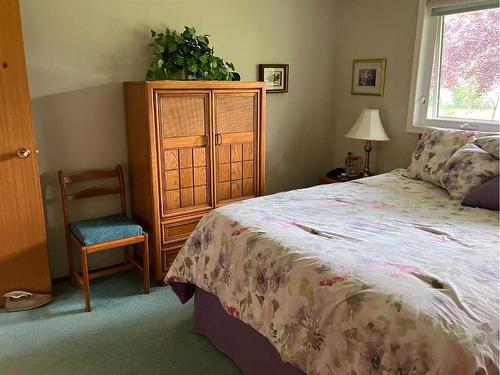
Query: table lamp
x=369, y=128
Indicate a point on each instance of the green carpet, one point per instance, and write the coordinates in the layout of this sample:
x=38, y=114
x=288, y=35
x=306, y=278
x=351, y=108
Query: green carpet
x=126, y=333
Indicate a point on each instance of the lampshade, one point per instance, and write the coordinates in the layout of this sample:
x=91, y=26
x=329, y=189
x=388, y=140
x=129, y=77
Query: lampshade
x=368, y=127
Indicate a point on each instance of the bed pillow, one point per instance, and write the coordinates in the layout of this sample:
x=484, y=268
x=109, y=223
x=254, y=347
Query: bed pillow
x=490, y=144
x=468, y=168
x=433, y=150
x=484, y=196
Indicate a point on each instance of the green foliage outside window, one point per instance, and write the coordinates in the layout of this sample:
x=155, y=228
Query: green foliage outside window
x=466, y=95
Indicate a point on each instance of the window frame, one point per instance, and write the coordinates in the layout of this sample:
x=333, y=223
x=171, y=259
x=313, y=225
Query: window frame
x=428, y=43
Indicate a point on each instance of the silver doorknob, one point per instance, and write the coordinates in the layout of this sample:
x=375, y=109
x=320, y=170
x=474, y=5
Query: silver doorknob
x=23, y=153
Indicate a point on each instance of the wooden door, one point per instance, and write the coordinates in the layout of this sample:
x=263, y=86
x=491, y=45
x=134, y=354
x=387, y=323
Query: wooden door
x=236, y=127
x=23, y=247
x=183, y=123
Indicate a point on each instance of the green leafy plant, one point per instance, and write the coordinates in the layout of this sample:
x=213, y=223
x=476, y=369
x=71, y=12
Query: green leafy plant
x=186, y=56
x=466, y=95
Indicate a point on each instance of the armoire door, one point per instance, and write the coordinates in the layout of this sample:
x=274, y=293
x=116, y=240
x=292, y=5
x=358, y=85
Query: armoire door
x=183, y=125
x=23, y=246
x=236, y=126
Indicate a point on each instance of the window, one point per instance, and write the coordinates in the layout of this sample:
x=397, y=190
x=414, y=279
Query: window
x=456, y=72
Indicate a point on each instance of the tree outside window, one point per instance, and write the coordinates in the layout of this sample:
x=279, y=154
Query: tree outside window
x=469, y=75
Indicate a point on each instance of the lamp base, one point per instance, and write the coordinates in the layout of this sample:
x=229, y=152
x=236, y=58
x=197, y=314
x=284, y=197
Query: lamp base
x=366, y=169
x=366, y=173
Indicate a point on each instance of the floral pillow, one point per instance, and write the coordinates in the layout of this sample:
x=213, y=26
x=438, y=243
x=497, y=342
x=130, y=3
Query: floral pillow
x=468, y=168
x=433, y=150
x=490, y=144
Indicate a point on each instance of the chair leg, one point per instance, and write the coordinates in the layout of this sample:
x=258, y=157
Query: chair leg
x=145, y=263
x=71, y=266
x=85, y=279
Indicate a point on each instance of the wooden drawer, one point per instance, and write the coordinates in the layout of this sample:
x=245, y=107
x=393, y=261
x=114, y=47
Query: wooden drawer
x=168, y=255
x=179, y=231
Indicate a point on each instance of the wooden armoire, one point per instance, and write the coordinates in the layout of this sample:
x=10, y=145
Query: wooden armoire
x=192, y=146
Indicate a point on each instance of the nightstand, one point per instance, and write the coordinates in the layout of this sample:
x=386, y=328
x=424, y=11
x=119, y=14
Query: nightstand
x=328, y=180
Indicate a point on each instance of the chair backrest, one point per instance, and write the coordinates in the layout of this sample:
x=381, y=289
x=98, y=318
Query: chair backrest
x=91, y=175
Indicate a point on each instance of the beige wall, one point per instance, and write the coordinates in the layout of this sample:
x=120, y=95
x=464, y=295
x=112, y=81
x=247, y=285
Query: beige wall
x=79, y=52
x=374, y=29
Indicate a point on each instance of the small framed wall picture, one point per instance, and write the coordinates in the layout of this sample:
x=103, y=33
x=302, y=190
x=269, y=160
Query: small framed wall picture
x=368, y=77
x=275, y=76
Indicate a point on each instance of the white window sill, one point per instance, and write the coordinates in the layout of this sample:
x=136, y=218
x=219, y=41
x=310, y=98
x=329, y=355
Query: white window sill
x=488, y=127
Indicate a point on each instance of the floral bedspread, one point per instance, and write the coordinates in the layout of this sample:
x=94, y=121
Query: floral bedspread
x=383, y=275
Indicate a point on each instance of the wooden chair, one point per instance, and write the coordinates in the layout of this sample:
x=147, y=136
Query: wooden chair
x=102, y=233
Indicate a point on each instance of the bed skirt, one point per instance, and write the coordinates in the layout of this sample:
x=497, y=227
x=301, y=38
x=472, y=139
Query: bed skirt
x=250, y=350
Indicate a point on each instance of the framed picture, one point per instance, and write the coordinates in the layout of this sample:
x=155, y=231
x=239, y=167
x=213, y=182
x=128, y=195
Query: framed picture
x=368, y=77
x=275, y=76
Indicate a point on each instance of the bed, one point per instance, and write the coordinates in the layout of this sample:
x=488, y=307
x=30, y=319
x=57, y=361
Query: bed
x=375, y=276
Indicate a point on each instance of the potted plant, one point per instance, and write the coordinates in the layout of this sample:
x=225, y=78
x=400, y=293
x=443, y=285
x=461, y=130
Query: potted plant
x=186, y=56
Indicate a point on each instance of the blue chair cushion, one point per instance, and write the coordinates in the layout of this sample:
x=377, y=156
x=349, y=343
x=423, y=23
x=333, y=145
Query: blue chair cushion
x=104, y=229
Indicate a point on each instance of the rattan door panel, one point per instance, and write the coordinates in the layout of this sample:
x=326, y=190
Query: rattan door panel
x=236, y=123
x=184, y=132
x=235, y=112
x=182, y=116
